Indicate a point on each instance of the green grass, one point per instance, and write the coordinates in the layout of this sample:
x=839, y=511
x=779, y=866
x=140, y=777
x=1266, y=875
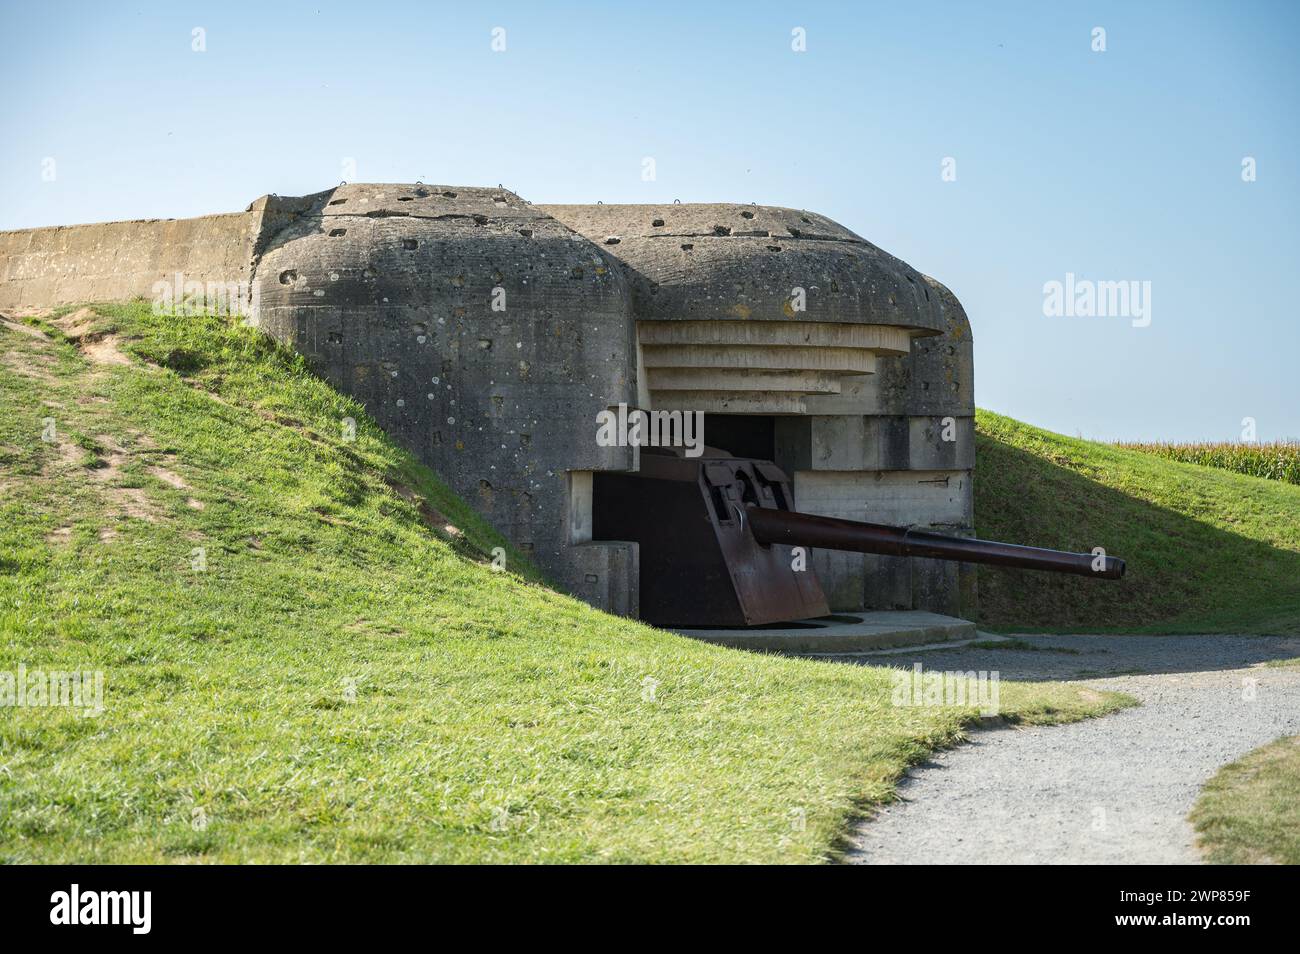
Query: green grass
x=1276, y=460
x=348, y=681
x=1208, y=551
x=1249, y=813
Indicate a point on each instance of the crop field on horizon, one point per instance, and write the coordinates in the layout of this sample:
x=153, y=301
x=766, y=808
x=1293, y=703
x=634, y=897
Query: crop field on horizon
x=1273, y=460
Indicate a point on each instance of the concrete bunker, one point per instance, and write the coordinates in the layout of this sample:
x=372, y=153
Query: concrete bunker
x=489, y=336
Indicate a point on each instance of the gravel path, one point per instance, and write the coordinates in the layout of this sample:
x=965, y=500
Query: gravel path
x=1110, y=790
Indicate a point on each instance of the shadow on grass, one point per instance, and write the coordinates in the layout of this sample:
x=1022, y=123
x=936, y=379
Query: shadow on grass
x=1184, y=575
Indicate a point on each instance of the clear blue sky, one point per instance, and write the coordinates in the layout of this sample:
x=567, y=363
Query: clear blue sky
x=1117, y=165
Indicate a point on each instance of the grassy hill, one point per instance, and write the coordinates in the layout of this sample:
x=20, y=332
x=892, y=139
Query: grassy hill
x=1208, y=550
x=308, y=657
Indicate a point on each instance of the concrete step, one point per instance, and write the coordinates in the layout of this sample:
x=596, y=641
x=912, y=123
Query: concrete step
x=843, y=633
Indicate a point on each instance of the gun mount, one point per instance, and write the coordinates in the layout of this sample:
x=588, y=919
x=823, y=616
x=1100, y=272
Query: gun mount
x=716, y=537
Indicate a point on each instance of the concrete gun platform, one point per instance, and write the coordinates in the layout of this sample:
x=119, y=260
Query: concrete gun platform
x=843, y=633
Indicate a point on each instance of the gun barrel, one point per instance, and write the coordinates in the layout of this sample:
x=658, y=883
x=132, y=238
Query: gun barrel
x=804, y=529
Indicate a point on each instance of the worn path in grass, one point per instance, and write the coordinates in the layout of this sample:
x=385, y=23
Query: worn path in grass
x=1114, y=790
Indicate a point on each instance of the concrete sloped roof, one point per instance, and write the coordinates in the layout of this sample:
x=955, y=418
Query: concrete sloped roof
x=721, y=261
x=409, y=243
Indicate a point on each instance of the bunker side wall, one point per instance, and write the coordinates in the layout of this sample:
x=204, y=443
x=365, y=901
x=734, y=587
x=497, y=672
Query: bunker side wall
x=116, y=261
x=482, y=336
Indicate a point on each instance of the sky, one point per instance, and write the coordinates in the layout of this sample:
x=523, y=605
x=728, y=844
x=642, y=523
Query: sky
x=990, y=145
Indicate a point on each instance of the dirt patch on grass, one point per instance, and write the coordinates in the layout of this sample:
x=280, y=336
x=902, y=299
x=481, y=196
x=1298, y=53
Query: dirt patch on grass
x=76, y=324
x=70, y=454
x=169, y=478
x=111, y=456
x=100, y=462
x=32, y=365
x=105, y=350
x=20, y=328
x=430, y=515
x=130, y=501
x=99, y=346
x=134, y=502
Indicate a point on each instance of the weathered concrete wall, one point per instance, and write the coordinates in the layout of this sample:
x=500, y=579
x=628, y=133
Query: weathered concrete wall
x=116, y=261
x=482, y=335
x=877, y=452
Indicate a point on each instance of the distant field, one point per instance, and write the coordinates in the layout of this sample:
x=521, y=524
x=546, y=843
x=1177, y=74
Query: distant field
x=1277, y=460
